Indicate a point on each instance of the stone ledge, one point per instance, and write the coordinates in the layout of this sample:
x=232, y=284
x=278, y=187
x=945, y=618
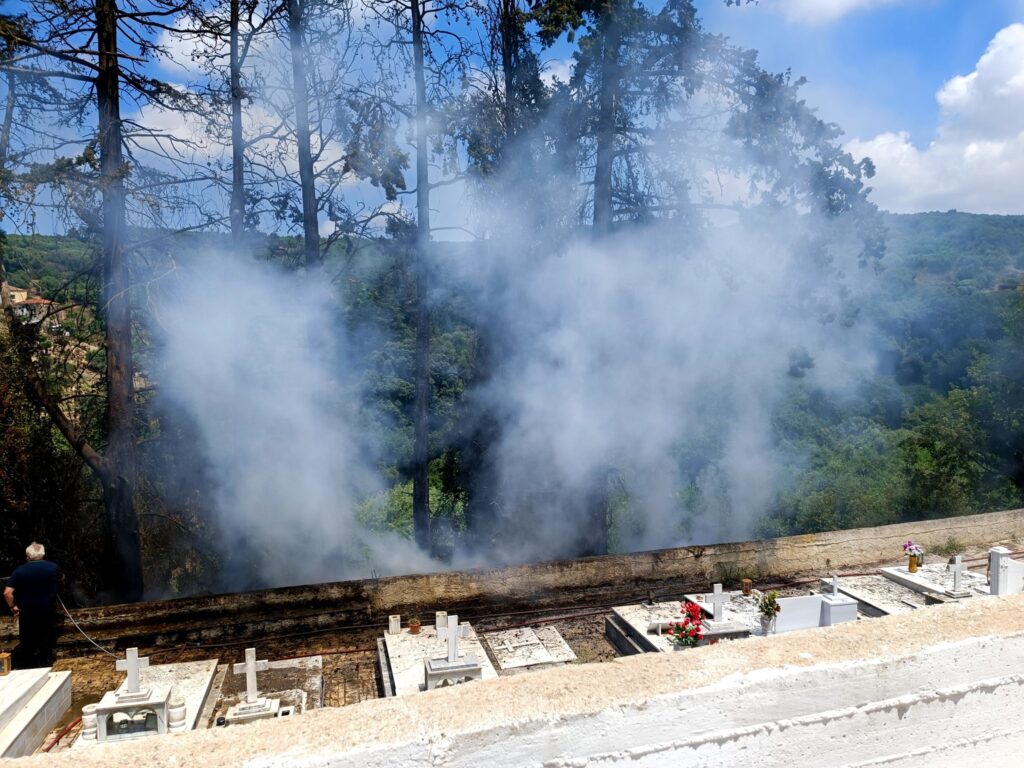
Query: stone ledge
x=855, y=672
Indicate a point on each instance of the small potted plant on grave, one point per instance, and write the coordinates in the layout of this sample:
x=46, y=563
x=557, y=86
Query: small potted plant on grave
x=768, y=606
x=915, y=555
x=688, y=632
x=414, y=626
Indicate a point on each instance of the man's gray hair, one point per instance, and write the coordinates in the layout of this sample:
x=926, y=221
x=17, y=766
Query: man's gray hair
x=35, y=551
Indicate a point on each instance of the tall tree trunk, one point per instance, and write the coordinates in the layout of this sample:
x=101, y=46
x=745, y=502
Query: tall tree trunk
x=300, y=90
x=607, y=105
x=510, y=34
x=5, y=129
x=237, y=211
x=594, y=538
x=125, y=559
x=421, y=364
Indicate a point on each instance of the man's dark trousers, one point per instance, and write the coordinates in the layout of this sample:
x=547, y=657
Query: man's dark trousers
x=36, y=638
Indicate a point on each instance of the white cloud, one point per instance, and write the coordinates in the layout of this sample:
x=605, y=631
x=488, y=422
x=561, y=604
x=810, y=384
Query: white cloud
x=976, y=160
x=560, y=69
x=825, y=11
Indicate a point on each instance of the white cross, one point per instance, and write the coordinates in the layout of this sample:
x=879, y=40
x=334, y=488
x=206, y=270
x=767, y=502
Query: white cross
x=718, y=600
x=957, y=568
x=451, y=633
x=835, y=586
x=131, y=664
x=251, y=667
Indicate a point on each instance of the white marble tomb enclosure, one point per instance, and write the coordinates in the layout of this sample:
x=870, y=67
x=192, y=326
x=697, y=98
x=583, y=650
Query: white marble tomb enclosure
x=32, y=702
x=877, y=595
x=1007, y=574
x=191, y=679
x=812, y=611
x=936, y=578
x=406, y=654
x=526, y=647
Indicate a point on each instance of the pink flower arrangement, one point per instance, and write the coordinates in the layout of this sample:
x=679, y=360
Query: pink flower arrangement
x=911, y=548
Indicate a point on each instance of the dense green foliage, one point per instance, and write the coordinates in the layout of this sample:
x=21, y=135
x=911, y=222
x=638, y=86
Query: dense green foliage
x=934, y=431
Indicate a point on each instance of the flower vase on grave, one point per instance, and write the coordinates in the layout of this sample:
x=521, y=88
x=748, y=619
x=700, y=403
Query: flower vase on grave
x=767, y=624
x=414, y=626
x=912, y=564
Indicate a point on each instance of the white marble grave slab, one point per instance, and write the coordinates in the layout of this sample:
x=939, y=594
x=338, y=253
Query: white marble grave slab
x=193, y=680
x=936, y=578
x=528, y=647
x=738, y=613
x=407, y=652
x=32, y=702
x=16, y=688
x=878, y=594
x=641, y=616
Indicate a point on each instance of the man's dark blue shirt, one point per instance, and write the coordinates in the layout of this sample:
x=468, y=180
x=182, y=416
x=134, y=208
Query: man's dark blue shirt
x=35, y=585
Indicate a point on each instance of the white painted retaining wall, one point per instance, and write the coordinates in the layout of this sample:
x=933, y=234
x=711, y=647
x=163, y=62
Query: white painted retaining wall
x=883, y=713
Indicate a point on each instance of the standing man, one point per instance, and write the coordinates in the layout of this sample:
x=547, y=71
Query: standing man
x=31, y=592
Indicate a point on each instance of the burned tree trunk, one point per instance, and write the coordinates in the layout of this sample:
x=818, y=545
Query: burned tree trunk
x=608, y=99
x=510, y=40
x=118, y=481
x=237, y=207
x=300, y=93
x=421, y=313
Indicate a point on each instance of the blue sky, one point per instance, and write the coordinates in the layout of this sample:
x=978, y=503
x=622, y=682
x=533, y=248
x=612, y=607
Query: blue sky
x=877, y=68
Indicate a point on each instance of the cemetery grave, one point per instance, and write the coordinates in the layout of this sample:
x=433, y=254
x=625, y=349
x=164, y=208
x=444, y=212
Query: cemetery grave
x=151, y=700
x=877, y=595
x=445, y=653
x=1007, y=574
x=524, y=648
x=824, y=609
x=32, y=702
x=280, y=689
x=643, y=627
x=940, y=578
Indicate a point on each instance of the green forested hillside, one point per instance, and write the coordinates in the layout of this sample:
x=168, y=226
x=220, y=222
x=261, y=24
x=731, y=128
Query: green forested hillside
x=933, y=430
x=936, y=430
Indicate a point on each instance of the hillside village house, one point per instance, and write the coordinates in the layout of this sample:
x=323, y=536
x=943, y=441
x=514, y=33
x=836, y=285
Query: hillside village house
x=33, y=309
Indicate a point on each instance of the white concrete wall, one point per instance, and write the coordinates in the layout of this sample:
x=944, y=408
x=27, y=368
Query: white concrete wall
x=931, y=706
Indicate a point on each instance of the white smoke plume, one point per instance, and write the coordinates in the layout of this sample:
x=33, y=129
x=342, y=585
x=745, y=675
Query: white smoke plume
x=257, y=358
x=622, y=357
